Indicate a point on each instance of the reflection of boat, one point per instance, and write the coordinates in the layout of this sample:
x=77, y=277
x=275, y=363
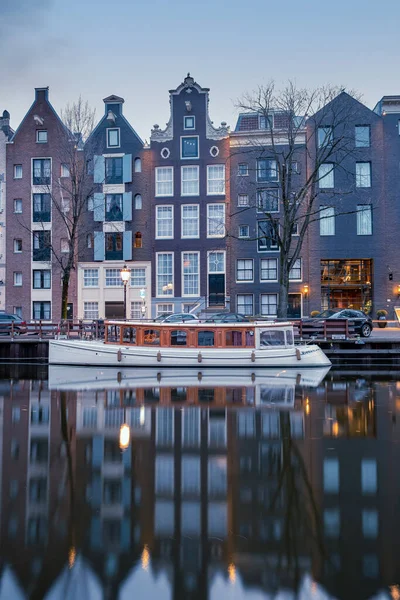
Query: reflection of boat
x=270, y=386
x=137, y=344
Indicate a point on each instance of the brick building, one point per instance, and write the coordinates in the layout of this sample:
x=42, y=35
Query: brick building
x=117, y=227
x=189, y=182
x=5, y=135
x=36, y=238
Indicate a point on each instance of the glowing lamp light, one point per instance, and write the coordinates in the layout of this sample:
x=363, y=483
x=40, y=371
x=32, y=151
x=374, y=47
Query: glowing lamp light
x=124, y=436
x=145, y=558
x=305, y=290
x=71, y=557
x=232, y=573
x=125, y=274
x=335, y=428
x=142, y=416
x=308, y=407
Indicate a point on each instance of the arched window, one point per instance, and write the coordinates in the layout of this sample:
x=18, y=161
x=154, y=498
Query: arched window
x=138, y=201
x=138, y=165
x=89, y=240
x=138, y=239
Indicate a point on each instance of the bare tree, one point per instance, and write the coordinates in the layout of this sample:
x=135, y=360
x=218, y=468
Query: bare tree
x=306, y=137
x=75, y=190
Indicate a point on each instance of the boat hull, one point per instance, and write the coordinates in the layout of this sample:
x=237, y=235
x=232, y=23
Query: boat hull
x=94, y=353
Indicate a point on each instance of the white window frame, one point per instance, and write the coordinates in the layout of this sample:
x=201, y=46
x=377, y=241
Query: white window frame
x=223, y=253
x=244, y=269
x=272, y=180
x=185, y=127
x=136, y=309
x=243, y=196
x=363, y=180
x=183, y=274
x=211, y=219
x=90, y=277
x=138, y=201
x=209, y=180
x=327, y=221
x=64, y=170
x=164, y=293
x=38, y=132
x=164, y=308
x=184, y=169
x=15, y=244
x=17, y=278
x=268, y=269
x=240, y=233
x=198, y=147
x=112, y=278
x=17, y=171
x=263, y=249
x=269, y=314
x=142, y=277
x=243, y=312
x=268, y=191
x=50, y=158
x=91, y=310
x=159, y=170
x=183, y=219
x=19, y=200
x=297, y=262
x=108, y=131
x=364, y=219
x=326, y=176
x=170, y=220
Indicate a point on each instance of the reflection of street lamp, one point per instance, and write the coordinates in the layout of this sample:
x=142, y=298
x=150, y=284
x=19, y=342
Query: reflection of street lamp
x=168, y=288
x=125, y=274
x=143, y=297
x=124, y=436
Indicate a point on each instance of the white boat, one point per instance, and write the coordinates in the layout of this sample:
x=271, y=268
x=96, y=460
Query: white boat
x=269, y=387
x=140, y=344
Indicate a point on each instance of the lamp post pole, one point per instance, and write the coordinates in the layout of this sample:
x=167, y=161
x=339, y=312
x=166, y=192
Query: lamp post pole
x=125, y=275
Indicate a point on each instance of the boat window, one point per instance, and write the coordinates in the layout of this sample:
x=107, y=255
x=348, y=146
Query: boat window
x=205, y=338
x=152, y=337
x=206, y=394
x=178, y=394
x=289, y=337
x=250, y=338
x=178, y=337
x=273, y=337
x=233, y=338
x=129, y=335
x=113, y=333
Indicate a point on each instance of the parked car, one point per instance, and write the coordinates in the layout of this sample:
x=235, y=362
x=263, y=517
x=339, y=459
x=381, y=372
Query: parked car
x=227, y=318
x=362, y=323
x=12, y=323
x=176, y=318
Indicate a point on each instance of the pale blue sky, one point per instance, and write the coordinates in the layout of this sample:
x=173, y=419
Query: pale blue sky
x=141, y=49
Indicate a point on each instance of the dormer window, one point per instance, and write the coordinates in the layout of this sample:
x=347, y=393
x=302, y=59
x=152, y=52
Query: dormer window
x=41, y=136
x=113, y=138
x=189, y=122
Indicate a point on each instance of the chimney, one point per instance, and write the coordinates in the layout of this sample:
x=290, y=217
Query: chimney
x=42, y=94
x=5, y=119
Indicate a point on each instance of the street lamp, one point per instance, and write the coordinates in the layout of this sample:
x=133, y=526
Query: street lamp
x=124, y=436
x=125, y=275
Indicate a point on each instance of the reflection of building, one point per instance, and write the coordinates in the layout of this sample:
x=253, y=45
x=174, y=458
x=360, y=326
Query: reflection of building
x=37, y=462
x=206, y=497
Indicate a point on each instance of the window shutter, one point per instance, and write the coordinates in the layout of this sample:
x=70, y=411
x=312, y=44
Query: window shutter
x=126, y=491
x=97, y=451
x=99, y=169
x=99, y=251
x=127, y=206
x=127, y=168
x=125, y=533
x=127, y=249
x=99, y=213
x=127, y=459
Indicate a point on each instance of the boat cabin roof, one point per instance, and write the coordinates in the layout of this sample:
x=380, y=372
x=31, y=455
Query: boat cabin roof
x=191, y=324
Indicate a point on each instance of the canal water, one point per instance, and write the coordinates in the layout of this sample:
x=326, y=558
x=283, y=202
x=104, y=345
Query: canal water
x=198, y=485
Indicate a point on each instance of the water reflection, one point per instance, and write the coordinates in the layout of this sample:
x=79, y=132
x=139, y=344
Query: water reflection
x=251, y=488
